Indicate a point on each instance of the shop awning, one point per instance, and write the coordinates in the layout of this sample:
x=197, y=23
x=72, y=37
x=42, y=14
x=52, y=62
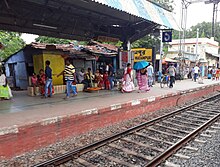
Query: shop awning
x=215, y=55
x=143, y=9
x=169, y=60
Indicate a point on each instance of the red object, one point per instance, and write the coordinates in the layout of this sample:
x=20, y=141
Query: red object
x=124, y=56
x=106, y=81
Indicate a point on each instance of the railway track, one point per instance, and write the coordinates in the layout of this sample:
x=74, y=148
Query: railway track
x=147, y=144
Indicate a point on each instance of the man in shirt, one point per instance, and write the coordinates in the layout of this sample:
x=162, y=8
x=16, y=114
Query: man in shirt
x=111, y=75
x=48, y=76
x=150, y=72
x=69, y=75
x=196, y=72
x=172, y=72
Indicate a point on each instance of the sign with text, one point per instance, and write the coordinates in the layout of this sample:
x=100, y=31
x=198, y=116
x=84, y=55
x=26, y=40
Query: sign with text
x=142, y=54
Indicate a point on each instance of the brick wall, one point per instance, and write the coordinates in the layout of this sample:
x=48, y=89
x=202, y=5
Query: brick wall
x=17, y=140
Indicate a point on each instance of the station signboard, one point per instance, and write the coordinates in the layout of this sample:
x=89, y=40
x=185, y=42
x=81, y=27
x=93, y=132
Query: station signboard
x=167, y=36
x=142, y=54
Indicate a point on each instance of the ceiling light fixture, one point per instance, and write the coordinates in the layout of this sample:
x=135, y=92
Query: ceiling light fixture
x=44, y=26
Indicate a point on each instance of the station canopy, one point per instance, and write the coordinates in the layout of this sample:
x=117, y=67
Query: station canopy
x=85, y=19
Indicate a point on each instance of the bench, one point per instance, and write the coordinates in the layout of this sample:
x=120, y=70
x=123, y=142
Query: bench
x=57, y=89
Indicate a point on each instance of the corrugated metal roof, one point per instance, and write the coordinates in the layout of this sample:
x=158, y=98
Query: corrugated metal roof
x=144, y=9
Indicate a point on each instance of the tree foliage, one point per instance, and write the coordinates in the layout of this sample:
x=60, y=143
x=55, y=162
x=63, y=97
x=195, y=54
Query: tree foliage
x=146, y=42
x=167, y=4
x=205, y=31
x=51, y=40
x=12, y=42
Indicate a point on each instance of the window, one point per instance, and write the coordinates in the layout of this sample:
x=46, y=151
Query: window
x=188, y=49
x=192, y=50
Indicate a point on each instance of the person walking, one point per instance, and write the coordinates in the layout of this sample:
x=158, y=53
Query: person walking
x=172, y=72
x=48, y=76
x=69, y=73
x=196, y=72
x=150, y=73
x=142, y=79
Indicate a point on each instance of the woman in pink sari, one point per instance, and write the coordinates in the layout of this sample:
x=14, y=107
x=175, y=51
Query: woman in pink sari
x=127, y=81
x=142, y=80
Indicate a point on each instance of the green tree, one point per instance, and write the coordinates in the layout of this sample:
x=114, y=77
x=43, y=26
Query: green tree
x=146, y=42
x=167, y=4
x=51, y=40
x=12, y=42
x=205, y=31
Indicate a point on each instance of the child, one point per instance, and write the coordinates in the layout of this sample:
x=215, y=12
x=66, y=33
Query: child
x=34, y=82
x=106, y=81
x=217, y=74
x=74, y=88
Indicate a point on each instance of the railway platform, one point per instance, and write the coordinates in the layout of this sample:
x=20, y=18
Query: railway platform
x=28, y=123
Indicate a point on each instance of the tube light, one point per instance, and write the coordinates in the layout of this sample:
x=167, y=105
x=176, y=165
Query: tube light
x=44, y=26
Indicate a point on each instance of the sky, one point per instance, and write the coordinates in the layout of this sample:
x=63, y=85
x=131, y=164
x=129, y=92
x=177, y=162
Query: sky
x=197, y=13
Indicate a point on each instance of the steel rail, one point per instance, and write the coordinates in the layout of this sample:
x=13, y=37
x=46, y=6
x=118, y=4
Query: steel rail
x=75, y=153
x=170, y=151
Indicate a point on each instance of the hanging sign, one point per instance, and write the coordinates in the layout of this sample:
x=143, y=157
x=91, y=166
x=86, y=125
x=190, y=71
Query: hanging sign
x=142, y=54
x=167, y=36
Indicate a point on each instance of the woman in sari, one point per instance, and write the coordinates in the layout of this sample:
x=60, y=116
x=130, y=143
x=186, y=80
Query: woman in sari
x=41, y=81
x=127, y=81
x=142, y=80
x=5, y=91
x=99, y=79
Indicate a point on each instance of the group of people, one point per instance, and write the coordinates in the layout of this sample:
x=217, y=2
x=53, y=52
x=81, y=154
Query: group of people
x=42, y=80
x=103, y=80
x=144, y=79
x=214, y=73
x=197, y=72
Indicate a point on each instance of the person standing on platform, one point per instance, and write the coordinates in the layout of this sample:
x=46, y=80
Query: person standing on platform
x=217, y=75
x=172, y=72
x=69, y=73
x=110, y=70
x=34, y=83
x=196, y=72
x=150, y=72
x=142, y=80
x=48, y=76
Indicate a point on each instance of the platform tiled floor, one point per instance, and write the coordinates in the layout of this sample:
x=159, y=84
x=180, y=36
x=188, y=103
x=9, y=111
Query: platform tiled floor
x=23, y=109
